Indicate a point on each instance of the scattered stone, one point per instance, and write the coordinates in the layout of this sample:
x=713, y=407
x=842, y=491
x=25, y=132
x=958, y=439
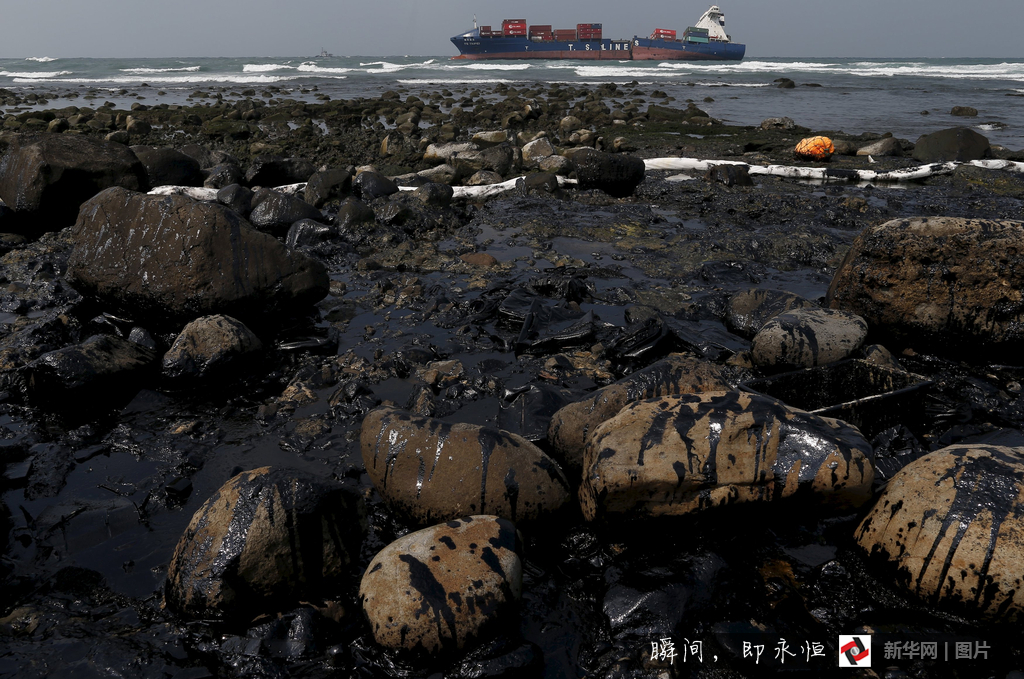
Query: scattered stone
x=889, y=146
x=495, y=159
x=537, y=150
x=559, y=165
x=223, y=175
x=572, y=426
x=778, y=124
x=167, y=167
x=263, y=542
x=328, y=185
x=484, y=178
x=943, y=283
x=959, y=143
x=444, y=153
x=950, y=523
x=307, y=232
x=369, y=185
x=236, y=197
x=618, y=175
x=964, y=111
x=429, y=470
x=487, y=139
x=479, y=259
x=353, y=211
x=730, y=175
x=443, y=588
x=432, y=193
x=208, y=345
x=99, y=370
x=683, y=454
x=270, y=171
x=276, y=212
x=175, y=259
x=804, y=338
x=749, y=310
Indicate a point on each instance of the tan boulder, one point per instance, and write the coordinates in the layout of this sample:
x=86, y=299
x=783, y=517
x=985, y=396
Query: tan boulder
x=952, y=524
x=937, y=283
x=688, y=453
x=265, y=540
x=443, y=587
x=572, y=425
x=429, y=470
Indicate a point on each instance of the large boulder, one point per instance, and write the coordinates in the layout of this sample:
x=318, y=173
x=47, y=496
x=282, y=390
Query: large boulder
x=45, y=179
x=266, y=540
x=616, y=174
x=952, y=525
x=178, y=259
x=940, y=283
x=683, y=454
x=442, y=588
x=168, y=167
x=958, y=143
x=208, y=345
x=804, y=338
x=428, y=470
x=572, y=425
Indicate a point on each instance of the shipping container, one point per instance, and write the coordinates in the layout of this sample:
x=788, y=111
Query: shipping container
x=693, y=30
x=697, y=38
x=565, y=34
x=540, y=28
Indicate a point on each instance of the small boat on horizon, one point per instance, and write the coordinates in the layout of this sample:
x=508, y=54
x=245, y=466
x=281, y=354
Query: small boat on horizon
x=324, y=54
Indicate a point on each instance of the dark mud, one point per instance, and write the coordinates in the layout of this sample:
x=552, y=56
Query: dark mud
x=93, y=502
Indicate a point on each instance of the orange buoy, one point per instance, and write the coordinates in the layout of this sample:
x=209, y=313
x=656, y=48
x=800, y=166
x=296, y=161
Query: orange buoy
x=815, y=148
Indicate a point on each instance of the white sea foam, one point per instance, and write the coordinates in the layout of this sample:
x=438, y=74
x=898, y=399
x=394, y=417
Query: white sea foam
x=174, y=80
x=160, y=70
x=41, y=75
x=42, y=59
x=454, y=81
x=620, y=72
x=313, y=67
x=388, y=67
x=262, y=68
x=487, y=67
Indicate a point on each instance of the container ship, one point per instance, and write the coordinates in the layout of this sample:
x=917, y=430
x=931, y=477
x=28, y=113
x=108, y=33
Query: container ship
x=707, y=40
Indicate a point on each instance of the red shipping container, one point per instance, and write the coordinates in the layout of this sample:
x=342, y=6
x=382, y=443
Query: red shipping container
x=540, y=28
x=485, y=29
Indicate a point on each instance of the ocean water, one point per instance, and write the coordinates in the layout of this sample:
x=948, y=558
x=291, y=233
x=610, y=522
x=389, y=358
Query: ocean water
x=855, y=95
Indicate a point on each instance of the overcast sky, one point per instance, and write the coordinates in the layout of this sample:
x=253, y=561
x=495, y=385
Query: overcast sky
x=783, y=28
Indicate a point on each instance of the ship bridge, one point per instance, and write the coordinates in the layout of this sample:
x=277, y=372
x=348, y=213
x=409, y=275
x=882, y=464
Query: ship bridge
x=714, y=21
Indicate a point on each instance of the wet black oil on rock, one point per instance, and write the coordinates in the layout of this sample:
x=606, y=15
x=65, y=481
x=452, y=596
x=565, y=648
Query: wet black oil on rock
x=441, y=588
x=428, y=470
x=690, y=453
x=952, y=525
x=263, y=542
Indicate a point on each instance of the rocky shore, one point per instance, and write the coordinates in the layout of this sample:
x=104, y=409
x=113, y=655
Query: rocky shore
x=285, y=390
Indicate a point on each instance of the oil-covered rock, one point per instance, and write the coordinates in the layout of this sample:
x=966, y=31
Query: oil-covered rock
x=441, y=588
x=952, y=525
x=689, y=453
x=266, y=540
x=572, y=425
x=429, y=470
